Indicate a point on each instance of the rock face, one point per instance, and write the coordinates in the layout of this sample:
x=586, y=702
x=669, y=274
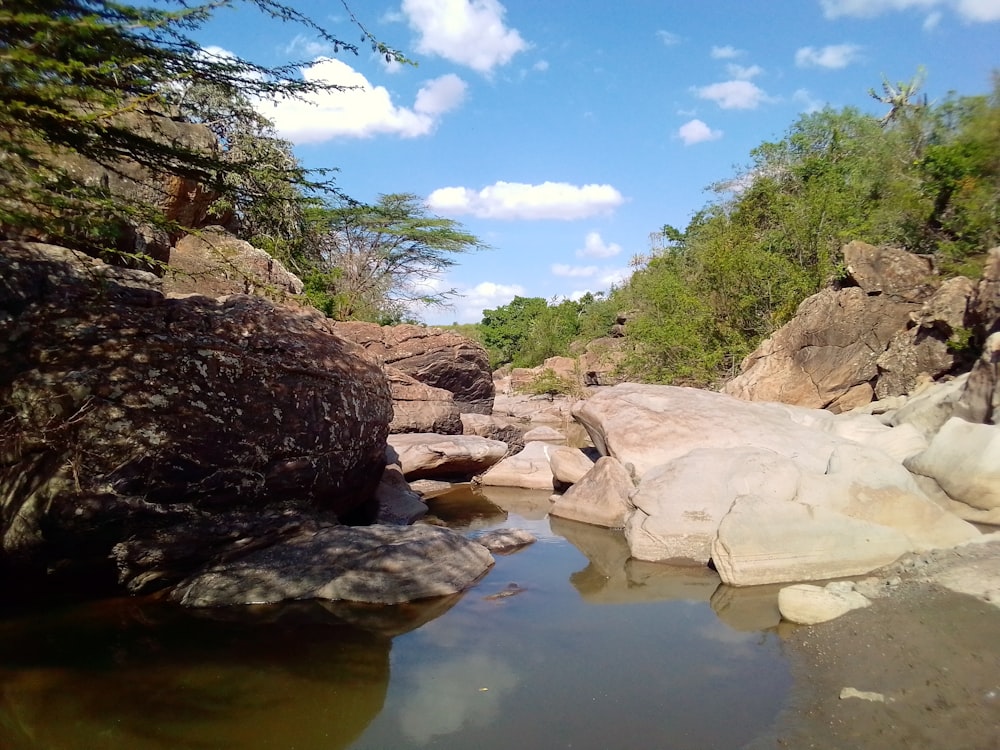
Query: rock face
x=895, y=327
x=373, y=564
x=831, y=347
x=529, y=469
x=417, y=407
x=426, y=455
x=215, y=264
x=437, y=358
x=179, y=199
x=767, y=492
x=158, y=431
x=600, y=498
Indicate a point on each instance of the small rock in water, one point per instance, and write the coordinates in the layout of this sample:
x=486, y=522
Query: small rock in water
x=512, y=590
x=505, y=540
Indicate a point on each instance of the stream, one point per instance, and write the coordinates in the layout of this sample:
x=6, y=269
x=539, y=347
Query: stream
x=566, y=643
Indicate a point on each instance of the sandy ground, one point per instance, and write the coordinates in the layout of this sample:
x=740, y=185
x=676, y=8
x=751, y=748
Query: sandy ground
x=929, y=654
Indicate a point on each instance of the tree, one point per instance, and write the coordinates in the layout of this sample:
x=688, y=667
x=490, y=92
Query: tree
x=505, y=329
x=382, y=261
x=74, y=74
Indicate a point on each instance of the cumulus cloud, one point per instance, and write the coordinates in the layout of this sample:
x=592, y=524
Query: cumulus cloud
x=467, y=32
x=363, y=110
x=594, y=246
x=981, y=11
x=696, y=131
x=668, y=37
x=809, y=103
x=833, y=57
x=517, y=200
x=563, y=269
x=725, y=53
x=744, y=73
x=733, y=94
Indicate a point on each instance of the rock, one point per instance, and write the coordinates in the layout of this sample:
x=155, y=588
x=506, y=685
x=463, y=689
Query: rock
x=427, y=455
x=215, y=263
x=808, y=605
x=964, y=459
x=865, y=695
x=831, y=346
x=545, y=434
x=898, y=442
x=569, y=465
x=180, y=200
x=680, y=504
x=535, y=409
x=986, y=307
x=153, y=433
x=502, y=541
x=528, y=469
x=913, y=354
x=494, y=428
x=930, y=407
x=889, y=271
x=417, y=407
x=397, y=503
x=372, y=564
x=437, y=358
x=601, y=497
x=601, y=362
x=650, y=425
x=980, y=397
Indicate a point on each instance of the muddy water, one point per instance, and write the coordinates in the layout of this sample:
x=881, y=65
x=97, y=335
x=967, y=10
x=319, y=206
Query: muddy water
x=565, y=644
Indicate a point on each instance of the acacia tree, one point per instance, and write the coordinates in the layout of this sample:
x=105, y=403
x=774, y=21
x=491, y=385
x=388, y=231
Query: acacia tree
x=74, y=73
x=380, y=262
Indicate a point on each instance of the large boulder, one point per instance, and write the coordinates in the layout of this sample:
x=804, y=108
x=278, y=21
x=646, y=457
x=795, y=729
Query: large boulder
x=767, y=492
x=215, y=263
x=600, y=497
x=156, y=432
x=373, y=564
x=435, y=357
x=529, y=469
x=428, y=455
x=964, y=459
x=889, y=271
x=826, y=352
x=417, y=407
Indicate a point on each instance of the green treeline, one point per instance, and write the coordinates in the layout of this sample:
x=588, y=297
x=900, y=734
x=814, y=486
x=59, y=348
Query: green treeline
x=926, y=177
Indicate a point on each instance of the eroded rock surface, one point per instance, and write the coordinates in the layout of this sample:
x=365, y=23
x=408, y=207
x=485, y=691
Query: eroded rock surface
x=156, y=432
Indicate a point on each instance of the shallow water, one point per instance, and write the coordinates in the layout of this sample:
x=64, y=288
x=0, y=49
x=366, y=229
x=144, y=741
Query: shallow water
x=583, y=649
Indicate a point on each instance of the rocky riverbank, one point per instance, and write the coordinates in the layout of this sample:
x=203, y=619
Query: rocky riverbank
x=919, y=668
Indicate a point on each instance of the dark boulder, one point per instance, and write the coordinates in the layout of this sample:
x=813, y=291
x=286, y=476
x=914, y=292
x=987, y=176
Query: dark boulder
x=158, y=433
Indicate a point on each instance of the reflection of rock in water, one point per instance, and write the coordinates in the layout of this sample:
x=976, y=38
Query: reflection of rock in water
x=612, y=578
x=466, y=508
x=748, y=608
x=532, y=505
x=105, y=679
x=392, y=620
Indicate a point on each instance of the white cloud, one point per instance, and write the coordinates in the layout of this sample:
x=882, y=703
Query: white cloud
x=834, y=56
x=970, y=10
x=594, y=246
x=541, y=66
x=517, y=200
x=932, y=20
x=615, y=276
x=733, y=94
x=668, y=37
x=467, y=32
x=362, y=111
x=562, y=269
x=809, y=103
x=744, y=73
x=725, y=53
x=695, y=131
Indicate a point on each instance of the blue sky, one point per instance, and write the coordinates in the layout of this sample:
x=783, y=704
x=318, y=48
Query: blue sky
x=563, y=133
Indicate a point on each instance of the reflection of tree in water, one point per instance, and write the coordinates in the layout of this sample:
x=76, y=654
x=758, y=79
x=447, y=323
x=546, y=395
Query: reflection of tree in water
x=125, y=676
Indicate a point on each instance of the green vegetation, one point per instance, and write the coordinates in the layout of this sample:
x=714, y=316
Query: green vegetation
x=549, y=383
x=924, y=177
x=376, y=262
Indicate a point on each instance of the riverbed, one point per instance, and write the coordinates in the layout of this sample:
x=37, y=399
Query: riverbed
x=566, y=643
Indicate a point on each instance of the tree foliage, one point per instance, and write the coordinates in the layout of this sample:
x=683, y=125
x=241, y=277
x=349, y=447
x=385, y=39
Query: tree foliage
x=75, y=73
x=381, y=262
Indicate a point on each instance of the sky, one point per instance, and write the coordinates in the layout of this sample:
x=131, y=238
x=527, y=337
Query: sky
x=563, y=133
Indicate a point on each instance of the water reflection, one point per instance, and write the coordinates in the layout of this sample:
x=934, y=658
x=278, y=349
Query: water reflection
x=462, y=693
x=145, y=676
